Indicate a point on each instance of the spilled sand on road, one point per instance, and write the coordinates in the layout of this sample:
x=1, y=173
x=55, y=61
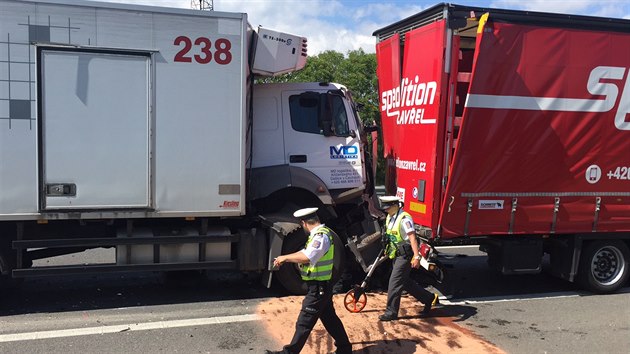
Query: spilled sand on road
x=412, y=333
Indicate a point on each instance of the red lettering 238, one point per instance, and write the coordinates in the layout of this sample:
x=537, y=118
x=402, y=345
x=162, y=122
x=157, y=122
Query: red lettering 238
x=204, y=54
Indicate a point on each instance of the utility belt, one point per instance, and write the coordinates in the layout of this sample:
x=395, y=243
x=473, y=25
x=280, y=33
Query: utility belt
x=316, y=282
x=404, y=250
x=319, y=287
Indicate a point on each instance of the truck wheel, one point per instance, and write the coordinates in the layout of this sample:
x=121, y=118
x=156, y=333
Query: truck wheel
x=4, y=267
x=604, y=266
x=7, y=264
x=289, y=274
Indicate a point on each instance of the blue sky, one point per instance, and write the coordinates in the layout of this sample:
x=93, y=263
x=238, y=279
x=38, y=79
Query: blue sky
x=344, y=25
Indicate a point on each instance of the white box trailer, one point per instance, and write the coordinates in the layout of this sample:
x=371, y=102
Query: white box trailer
x=137, y=121
x=117, y=94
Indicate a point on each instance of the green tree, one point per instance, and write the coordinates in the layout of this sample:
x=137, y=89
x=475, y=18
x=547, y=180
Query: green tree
x=356, y=71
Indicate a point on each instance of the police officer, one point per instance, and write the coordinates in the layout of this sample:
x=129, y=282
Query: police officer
x=316, y=264
x=402, y=248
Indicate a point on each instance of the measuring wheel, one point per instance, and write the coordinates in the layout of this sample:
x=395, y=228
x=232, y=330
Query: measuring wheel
x=355, y=300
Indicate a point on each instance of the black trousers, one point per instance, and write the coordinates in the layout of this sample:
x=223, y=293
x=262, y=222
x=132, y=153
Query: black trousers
x=400, y=280
x=318, y=304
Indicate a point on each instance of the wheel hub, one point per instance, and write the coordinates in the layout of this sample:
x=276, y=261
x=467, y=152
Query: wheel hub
x=605, y=265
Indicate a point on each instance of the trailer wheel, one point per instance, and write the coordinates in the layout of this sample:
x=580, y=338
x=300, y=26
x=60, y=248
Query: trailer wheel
x=604, y=266
x=289, y=274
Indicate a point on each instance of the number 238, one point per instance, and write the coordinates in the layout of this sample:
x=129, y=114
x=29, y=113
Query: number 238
x=203, y=53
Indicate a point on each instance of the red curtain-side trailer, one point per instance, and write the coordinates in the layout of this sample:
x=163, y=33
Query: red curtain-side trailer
x=511, y=129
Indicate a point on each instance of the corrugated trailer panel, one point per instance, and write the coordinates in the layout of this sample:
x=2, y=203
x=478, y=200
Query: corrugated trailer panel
x=194, y=130
x=544, y=145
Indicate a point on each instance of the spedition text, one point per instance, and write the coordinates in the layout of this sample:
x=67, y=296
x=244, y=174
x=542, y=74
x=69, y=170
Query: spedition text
x=406, y=101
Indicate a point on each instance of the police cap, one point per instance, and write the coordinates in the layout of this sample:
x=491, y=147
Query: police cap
x=306, y=213
x=389, y=200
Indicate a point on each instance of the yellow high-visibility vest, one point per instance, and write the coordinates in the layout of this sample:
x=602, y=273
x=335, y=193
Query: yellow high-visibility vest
x=322, y=270
x=393, y=234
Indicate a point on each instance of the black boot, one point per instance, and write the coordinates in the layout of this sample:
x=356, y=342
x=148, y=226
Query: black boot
x=387, y=317
x=429, y=305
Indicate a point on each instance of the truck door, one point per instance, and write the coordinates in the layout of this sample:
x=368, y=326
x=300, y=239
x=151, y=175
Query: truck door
x=330, y=152
x=94, y=129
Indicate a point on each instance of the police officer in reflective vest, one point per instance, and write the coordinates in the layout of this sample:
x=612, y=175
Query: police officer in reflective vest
x=316, y=264
x=402, y=248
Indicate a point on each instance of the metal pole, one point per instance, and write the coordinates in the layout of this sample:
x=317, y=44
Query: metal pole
x=202, y=5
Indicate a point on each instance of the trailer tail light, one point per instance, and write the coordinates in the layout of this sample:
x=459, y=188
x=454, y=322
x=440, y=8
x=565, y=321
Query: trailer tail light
x=425, y=250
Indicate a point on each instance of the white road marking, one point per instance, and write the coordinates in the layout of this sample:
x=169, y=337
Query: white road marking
x=458, y=246
x=126, y=327
x=523, y=297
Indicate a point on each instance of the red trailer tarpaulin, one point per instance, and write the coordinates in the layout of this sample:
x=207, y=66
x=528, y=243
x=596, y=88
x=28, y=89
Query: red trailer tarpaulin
x=544, y=141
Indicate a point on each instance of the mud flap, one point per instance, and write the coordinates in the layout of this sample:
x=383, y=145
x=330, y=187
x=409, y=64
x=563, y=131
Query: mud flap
x=367, y=250
x=279, y=225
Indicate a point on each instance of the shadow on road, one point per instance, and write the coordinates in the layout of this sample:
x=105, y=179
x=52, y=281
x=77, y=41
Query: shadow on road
x=79, y=293
x=469, y=278
x=399, y=346
x=456, y=312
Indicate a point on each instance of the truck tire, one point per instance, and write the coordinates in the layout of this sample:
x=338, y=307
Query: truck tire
x=7, y=263
x=604, y=266
x=289, y=274
x=4, y=268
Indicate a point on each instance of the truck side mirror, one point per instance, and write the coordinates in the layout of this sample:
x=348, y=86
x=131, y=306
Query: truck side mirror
x=325, y=118
x=327, y=128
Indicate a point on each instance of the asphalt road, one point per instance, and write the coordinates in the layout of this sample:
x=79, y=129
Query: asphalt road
x=190, y=313
x=536, y=313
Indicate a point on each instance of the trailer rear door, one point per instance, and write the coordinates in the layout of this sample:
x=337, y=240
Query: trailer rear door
x=413, y=118
x=94, y=129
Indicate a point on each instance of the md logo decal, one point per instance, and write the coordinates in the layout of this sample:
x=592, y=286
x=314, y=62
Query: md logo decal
x=346, y=152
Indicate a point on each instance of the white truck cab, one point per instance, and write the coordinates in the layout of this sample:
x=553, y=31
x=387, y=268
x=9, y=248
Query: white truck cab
x=309, y=126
